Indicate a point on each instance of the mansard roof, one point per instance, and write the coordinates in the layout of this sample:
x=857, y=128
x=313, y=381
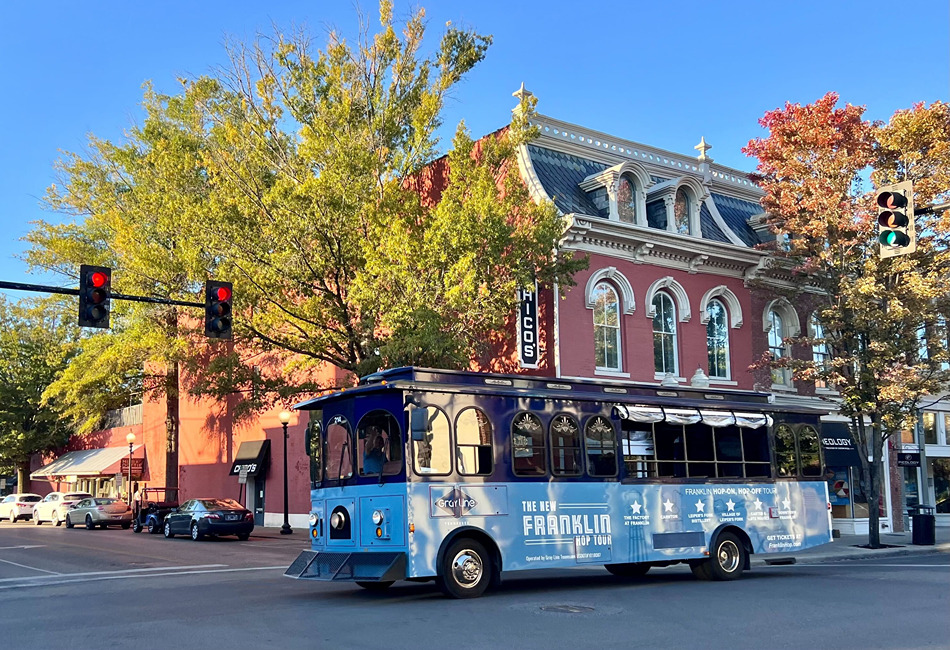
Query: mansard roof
x=565, y=155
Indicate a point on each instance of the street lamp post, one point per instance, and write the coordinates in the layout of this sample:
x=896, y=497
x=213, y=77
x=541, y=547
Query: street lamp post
x=285, y=420
x=131, y=440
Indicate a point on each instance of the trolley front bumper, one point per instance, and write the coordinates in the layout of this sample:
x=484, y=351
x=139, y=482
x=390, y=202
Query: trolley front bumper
x=348, y=567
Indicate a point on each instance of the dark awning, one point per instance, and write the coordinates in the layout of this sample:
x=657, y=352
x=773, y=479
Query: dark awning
x=252, y=455
x=838, y=444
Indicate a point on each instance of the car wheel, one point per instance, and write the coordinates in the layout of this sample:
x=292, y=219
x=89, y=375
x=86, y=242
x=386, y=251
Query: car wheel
x=466, y=570
x=89, y=524
x=243, y=536
x=56, y=519
x=167, y=531
x=69, y=522
x=195, y=533
x=36, y=519
x=13, y=517
x=153, y=527
x=137, y=526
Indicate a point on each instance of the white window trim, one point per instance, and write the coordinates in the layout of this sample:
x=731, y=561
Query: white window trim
x=676, y=291
x=783, y=308
x=627, y=302
x=725, y=295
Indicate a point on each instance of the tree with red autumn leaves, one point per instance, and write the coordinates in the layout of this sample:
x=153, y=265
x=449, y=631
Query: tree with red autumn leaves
x=884, y=321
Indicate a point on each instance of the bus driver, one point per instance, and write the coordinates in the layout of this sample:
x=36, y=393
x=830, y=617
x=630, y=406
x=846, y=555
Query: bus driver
x=374, y=457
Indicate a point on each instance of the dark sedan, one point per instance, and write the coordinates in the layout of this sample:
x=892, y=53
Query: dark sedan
x=200, y=517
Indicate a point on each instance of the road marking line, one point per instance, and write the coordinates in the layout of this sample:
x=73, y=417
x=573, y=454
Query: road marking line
x=109, y=573
x=31, y=568
x=7, y=548
x=63, y=579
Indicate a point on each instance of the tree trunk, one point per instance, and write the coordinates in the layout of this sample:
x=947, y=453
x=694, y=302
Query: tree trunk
x=22, y=471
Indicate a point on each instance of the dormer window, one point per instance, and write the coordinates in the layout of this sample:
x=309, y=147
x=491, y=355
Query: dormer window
x=682, y=210
x=627, y=199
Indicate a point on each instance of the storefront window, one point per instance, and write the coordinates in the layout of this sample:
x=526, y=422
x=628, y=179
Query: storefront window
x=941, y=474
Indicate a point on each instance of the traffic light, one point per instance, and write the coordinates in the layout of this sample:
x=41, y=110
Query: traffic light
x=95, y=291
x=218, y=297
x=895, y=218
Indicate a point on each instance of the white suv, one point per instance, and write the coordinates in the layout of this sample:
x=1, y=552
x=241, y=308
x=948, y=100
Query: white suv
x=18, y=506
x=53, y=508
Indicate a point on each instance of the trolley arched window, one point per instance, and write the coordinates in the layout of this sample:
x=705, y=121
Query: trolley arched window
x=601, y=442
x=473, y=452
x=379, y=444
x=527, y=445
x=565, y=446
x=339, y=449
x=430, y=442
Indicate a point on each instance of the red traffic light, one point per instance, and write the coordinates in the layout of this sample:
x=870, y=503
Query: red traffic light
x=222, y=293
x=98, y=279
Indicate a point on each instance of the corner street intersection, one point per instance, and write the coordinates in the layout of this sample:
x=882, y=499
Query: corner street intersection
x=83, y=589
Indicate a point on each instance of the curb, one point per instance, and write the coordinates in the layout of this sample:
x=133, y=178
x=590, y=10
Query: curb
x=861, y=554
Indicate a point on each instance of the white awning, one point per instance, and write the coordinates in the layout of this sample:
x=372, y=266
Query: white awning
x=642, y=414
x=87, y=462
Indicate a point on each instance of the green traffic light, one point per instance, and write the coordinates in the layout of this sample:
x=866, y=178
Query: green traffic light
x=894, y=239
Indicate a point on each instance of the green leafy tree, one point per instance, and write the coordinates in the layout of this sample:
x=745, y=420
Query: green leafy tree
x=302, y=176
x=870, y=309
x=37, y=342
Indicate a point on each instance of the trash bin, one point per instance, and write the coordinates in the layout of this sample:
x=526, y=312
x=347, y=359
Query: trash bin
x=925, y=526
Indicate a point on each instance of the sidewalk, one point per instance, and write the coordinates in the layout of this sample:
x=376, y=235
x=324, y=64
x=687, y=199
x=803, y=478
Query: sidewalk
x=848, y=547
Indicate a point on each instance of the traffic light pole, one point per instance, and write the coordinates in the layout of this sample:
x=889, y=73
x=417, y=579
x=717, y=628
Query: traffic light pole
x=42, y=288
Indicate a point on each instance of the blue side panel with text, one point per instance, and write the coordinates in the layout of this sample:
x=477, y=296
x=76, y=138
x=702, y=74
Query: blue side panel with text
x=539, y=525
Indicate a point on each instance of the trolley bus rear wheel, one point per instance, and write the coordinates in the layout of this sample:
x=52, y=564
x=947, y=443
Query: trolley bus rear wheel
x=466, y=569
x=726, y=561
x=375, y=586
x=628, y=570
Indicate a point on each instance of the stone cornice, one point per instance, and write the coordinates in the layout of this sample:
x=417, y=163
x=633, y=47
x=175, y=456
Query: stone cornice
x=643, y=245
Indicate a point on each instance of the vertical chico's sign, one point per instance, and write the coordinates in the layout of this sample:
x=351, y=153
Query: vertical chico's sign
x=528, y=327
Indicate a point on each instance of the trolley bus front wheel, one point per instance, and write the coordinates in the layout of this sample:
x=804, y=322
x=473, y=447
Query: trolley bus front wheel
x=466, y=569
x=726, y=561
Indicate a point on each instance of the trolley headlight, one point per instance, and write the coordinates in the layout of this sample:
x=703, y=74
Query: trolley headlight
x=313, y=519
x=377, y=517
x=338, y=520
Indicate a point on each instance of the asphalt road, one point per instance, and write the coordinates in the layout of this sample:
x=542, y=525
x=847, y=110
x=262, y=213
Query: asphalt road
x=99, y=589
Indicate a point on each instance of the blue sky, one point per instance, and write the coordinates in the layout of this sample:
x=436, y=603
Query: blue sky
x=663, y=74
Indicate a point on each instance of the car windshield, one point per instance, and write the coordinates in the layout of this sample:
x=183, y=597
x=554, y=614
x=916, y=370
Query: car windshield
x=105, y=502
x=31, y=499
x=221, y=504
x=76, y=496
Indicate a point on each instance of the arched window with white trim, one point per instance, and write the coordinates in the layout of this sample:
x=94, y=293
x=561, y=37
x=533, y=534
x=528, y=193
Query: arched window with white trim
x=606, y=327
x=777, y=348
x=717, y=340
x=664, y=334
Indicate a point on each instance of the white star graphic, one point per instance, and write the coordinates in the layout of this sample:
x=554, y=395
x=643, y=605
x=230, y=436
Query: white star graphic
x=786, y=504
x=668, y=505
x=700, y=506
x=757, y=503
x=731, y=505
x=636, y=507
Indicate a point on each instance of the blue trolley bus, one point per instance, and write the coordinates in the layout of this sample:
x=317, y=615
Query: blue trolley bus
x=420, y=474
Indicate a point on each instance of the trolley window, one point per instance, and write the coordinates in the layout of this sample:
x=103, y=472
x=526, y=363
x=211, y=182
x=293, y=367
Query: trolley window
x=527, y=445
x=473, y=435
x=565, y=446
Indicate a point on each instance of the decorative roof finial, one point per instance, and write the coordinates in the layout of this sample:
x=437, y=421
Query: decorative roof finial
x=669, y=380
x=699, y=380
x=523, y=95
x=702, y=147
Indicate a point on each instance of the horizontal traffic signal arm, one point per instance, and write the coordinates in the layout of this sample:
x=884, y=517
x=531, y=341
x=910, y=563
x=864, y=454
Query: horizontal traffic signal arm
x=42, y=288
